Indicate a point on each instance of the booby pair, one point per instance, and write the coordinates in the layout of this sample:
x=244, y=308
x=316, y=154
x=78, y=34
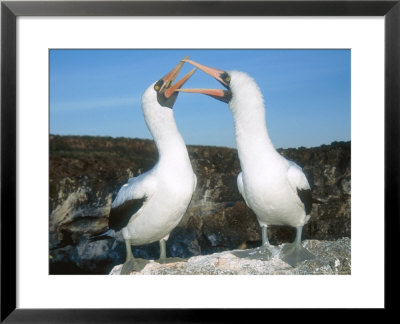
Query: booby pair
x=148, y=207
x=275, y=188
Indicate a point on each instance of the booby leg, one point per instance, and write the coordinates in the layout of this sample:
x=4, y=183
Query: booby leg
x=263, y=252
x=163, y=249
x=265, y=241
x=294, y=253
x=129, y=264
x=163, y=253
x=266, y=248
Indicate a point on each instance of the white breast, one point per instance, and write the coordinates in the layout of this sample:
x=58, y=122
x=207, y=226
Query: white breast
x=264, y=171
x=165, y=208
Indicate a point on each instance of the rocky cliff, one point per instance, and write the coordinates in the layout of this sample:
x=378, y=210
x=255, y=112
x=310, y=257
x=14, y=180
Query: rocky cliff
x=87, y=172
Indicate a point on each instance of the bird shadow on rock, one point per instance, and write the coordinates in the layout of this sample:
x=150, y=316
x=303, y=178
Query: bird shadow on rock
x=171, y=260
x=262, y=253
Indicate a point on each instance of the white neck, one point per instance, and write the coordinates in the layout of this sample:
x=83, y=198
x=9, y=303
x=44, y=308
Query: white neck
x=252, y=139
x=169, y=142
x=161, y=123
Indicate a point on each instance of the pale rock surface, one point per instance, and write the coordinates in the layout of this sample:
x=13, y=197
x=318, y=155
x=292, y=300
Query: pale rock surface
x=331, y=258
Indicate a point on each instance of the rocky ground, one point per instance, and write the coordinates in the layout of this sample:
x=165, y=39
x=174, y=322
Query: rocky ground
x=86, y=173
x=330, y=258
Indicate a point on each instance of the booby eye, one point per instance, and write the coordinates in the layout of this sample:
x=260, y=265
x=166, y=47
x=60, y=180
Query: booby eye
x=225, y=79
x=158, y=85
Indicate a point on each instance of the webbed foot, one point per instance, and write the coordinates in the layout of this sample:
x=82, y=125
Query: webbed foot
x=132, y=265
x=294, y=253
x=128, y=267
x=264, y=253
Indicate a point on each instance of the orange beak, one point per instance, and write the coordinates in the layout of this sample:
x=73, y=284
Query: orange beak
x=215, y=73
x=223, y=95
x=168, y=88
x=219, y=75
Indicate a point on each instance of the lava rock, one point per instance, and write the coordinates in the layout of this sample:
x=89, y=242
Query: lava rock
x=87, y=172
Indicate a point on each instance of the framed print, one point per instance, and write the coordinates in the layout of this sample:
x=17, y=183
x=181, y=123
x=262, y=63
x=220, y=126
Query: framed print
x=41, y=43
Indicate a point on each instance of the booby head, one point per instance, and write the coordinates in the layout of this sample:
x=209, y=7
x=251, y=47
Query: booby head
x=242, y=95
x=222, y=77
x=164, y=90
x=238, y=85
x=157, y=103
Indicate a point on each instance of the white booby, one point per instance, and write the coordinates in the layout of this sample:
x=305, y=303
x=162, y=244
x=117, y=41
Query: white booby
x=275, y=188
x=148, y=207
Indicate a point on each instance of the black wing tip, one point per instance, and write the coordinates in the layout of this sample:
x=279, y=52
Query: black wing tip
x=306, y=197
x=99, y=237
x=119, y=216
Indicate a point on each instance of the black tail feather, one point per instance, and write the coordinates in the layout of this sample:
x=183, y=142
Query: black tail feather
x=103, y=236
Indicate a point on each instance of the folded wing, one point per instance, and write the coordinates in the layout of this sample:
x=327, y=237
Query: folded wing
x=299, y=183
x=130, y=200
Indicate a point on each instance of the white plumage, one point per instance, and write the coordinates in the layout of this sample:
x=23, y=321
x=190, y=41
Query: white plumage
x=148, y=207
x=275, y=188
x=168, y=187
x=268, y=181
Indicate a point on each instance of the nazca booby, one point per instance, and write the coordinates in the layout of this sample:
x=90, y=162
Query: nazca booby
x=275, y=188
x=148, y=207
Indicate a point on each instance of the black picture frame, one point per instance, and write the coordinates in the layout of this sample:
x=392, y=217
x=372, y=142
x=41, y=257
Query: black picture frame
x=10, y=10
